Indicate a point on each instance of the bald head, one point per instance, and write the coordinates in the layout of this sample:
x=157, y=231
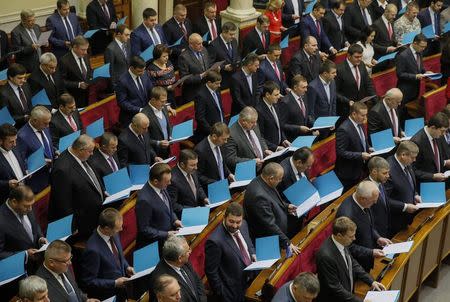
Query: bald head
x=393, y=98
x=272, y=174
x=366, y=193
x=140, y=123
x=196, y=42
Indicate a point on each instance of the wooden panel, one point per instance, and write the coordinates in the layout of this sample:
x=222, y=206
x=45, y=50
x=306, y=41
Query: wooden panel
x=412, y=275
x=432, y=251
x=194, y=8
x=398, y=281
x=446, y=246
x=123, y=8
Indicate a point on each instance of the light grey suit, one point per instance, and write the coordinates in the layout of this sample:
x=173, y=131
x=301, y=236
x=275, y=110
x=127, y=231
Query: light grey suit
x=21, y=40
x=116, y=57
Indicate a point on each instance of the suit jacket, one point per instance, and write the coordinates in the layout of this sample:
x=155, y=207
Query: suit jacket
x=73, y=192
x=60, y=127
x=99, y=270
x=21, y=40
x=7, y=173
x=13, y=237
x=253, y=41
x=334, y=275
x=347, y=88
x=380, y=119
x=349, y=163
x=9, y=99
x=381, y=213
x=55, y=291
x=117, y=60
x=318, y=100
x=173, y=33
x=208, y=172
x=154, y=219
x=382, y=41
x=224, y=265
x=100, y=164
x=155, y=131
x=95, y=16
x=300, y=64
x=425, y=19
x=354, y=21
x=289, y=177
x=38, y=81
x=141, y=40
x=218, y=51
x=187, y=292
x=59, y=34
x=206, y=111
x=267, y=73
x=132, y=151
x=240, y=91
x=406, y=68
x=284, y=294
x=72, y=76
x=376, y=10
x=268, y=125
x=288, y=11
x=309, y=28
x=189, y=64
x=201, y=27
x=129, y=98
x=292, y=116
x=4, y=50
x=366, y=234
x=266, y=212
x=239, y=148
x=400, y=191
x=335, y=33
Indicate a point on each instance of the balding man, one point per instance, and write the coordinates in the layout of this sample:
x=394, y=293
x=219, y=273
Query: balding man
x=135, y=145
x=304, y=288
x=384, y=114
x=267, y=214
x=105, y=161
x=357, y=207
x=179, y=26
x=76, y=188
x=385, y=42
x=193, y=61
x=306, y=61
x=66, y=119
x=167, y=289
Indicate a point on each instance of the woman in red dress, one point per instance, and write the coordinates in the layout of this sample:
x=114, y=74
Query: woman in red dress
x=273, y=12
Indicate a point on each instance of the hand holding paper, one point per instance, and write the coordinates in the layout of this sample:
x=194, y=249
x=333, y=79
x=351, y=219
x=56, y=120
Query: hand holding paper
x=267, y=253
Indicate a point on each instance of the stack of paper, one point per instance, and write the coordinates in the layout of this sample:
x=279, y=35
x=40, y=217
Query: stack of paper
x=12, y=268
x=194, y=220
x=267, y=253
x=118, y=185
x=325, y=122
x=382, y=141
x=182, y=131
x=398, y=248
x=218, y=193
x=96, y=128
x=302, y=141
x=245, y=172
x=6, y=117
x=412, y=126
x=66, y=141
x=60, y=229
x=41, y=98
x=329, y=187
x=145, y=260
x=138, y=176
x=302, y=194
x=382, y=296
x=432, y=194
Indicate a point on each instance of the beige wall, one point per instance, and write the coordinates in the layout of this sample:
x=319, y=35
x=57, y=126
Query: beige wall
x=10, y=11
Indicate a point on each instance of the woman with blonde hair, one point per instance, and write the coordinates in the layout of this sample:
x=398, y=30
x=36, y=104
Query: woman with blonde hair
x=273, y=12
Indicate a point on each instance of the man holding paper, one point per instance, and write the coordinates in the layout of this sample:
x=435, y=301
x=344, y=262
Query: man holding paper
x=384, y=41
x=66, y=120
x=101, y=15
x=105, y=161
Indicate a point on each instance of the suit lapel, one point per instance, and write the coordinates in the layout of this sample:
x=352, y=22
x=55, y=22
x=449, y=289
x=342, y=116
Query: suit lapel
x=243, y=138
x=18, y=226
x=230, y=241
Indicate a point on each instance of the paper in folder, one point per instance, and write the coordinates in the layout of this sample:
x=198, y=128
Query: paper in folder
x=145, y=260
x=302, y=141
x=194, y=220
x=412, y=126
x=36, y=160
x=267, y=253
x=329, y=187
x=41, y=98
x=432, y=194
x=218, y=193
x=12, y=267
x=66, y=141
x=285, y=42
x=147, y=54
x=245, y=172
x=6, y=117
x=96, y=128
x=309, y=7
x=90, y=33
x=387, y=57
x=382, y=296
x=325, y=122
x=122, y=21
x=302, y=194
x=398, y=248
x=382, y=141
x=101, y=72
x=138, y=176
x=118, y=185
x=3, y=75
x=428, y=31
x=182, y=131
x=60, y=229
x=233, y=120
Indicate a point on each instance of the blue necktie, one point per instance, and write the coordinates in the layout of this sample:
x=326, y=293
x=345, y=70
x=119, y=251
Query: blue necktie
x=383, y=195
x=230, y=50
x=69, y=29
x=72, y=296
x=437, y=28
x=362, y=137
x=216, y=100
x=46, y=145
x=220, y=163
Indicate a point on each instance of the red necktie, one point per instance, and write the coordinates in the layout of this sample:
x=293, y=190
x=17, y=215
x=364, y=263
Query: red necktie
x=263, y=40
x=244, y=253
x=114, y=251
x=302, y=106
x=72, y=123
x=389, y=30
x=357, y=78
x=436, y=155
x=318, y=27
x=275, y=67
x=418, y=60
x=213, y=29
x=394, y=122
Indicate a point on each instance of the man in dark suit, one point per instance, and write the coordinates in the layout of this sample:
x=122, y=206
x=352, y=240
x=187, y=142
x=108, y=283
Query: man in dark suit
x=352, y=81
x=306, y=61
x=337, y=269
x=19, y=229
x=377, y=8
x=225, y=48
x=193, y=61
x=66, y=120
x=118, y=53
x=76, y=71
x=305, y=287
x=16, y=94
x=244, y=85
x=101, y=15
x=401, y=187
x=47, y=77
x=60, y=280
x=384, y=41
x=148, y=33
x=208, y=105
x=228, y=250
x=104, y=271
x=431, y=161
x=352, y=147
x=65, y=27
x=292, y=12
x=76, y=188
x=356, y=17
x=311, y=25
x=210, y=23
x=258, y=39
x=175, y=263
x=24, y=37
x=185, y=190
x=211, y=164
x=267, y=214
x=270, y=69
x=135, y=145
x=322, y=91
x=105, y=161
x=296, y=111
x=384, y=115
x=333, y=25
x=245, y=142
x=166, y=288
x=155, y=216
x=177, y=27
x=269, y=117
x=357, y=207
x=432, y=16
x=4, y=50
x=34, y=135
x=12, y=165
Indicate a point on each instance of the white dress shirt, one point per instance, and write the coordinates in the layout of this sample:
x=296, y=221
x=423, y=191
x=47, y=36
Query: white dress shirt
x=13, y=162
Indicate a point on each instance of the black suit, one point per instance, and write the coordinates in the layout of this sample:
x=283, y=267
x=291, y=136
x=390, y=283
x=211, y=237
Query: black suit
x=266, y=212
x=155, y=130
x=21, y=40
x=382, y=41
x=406, y=69
x=7, y=173
x=4, y=50
x=268, y=125
x=206, y=111
x=253, y=41
x=201, y=27
x=38, y=81
x=240, y=91
x=335, y=33
x=100, y=164
x=334, y=278
x=300, y=64
x=218, y=51
x=132, y=151
x=173, y=32
x=9, y=99
x=292, y=116
x=115, y=56
x=318, y=99
x=188, y=63
x=366, y=234
x=376, y=10
x=288, y=12
x=380, y=119
x=60, y=127
x=97, y=19
x=71, y=73
x=354, y=21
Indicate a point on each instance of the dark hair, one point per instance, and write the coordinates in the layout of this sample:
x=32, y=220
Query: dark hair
x=15, y=69
x=212, y=76
x=108, y=218
x=157, y=92
x=159, y=50
x=209, y=4
x=219, y=129
x=365, y=33
x=158, y=170
x=318, y=6
x=228, y=26
x=446, y=111
x=250, y=59
x=262, y=19
x=137, y=62
x=273, y=47
x=419, y=38
x=120, y=28
x=357, y=106
x=106, y=138
x=149, y=12
x=7, y=130
x=235, y=209
x=65, y=99
x=297, y=79
x=269, y=87
x=355, y=48
x=79, y=41
x=161, y=282
x=439, y=120
x=327, y=66
x=186, y=155
x=21, y=193
x=336, y=4
x=302, y=154
x=60, y=3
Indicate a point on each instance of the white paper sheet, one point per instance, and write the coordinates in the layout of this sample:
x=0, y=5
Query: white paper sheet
x=216, y=204
x=45, y=246
x=196, y=229
x=122, y=194
x=406, y=138
x=178, y=139
x=136, y=187
x=321, y=127
x=426, y=205
x=308, y=204
x=383, y=296
x=382, y=151
x=143, y=273
x=276, y=154
x=447, y=173
x=330, y=196
x=43, y=38
x=398, y=248
x=29, y=174
x=165, y=161
x=259, y=265
x=241, y=183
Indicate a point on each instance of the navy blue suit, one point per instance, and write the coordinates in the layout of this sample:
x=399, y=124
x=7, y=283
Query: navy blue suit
x=206, y=111
x=284, y=294
x=308, y=28
x=141, y=40
x=288, y=11
x=406, y=69
x=218, y=51
x=59, y=35
x=267, y=73
x=318, y=100
x=7, y=173
x=240, y=91
x=425, y=20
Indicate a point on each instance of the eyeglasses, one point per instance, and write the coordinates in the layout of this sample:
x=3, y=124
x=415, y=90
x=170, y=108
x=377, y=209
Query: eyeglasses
x=63, y=261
